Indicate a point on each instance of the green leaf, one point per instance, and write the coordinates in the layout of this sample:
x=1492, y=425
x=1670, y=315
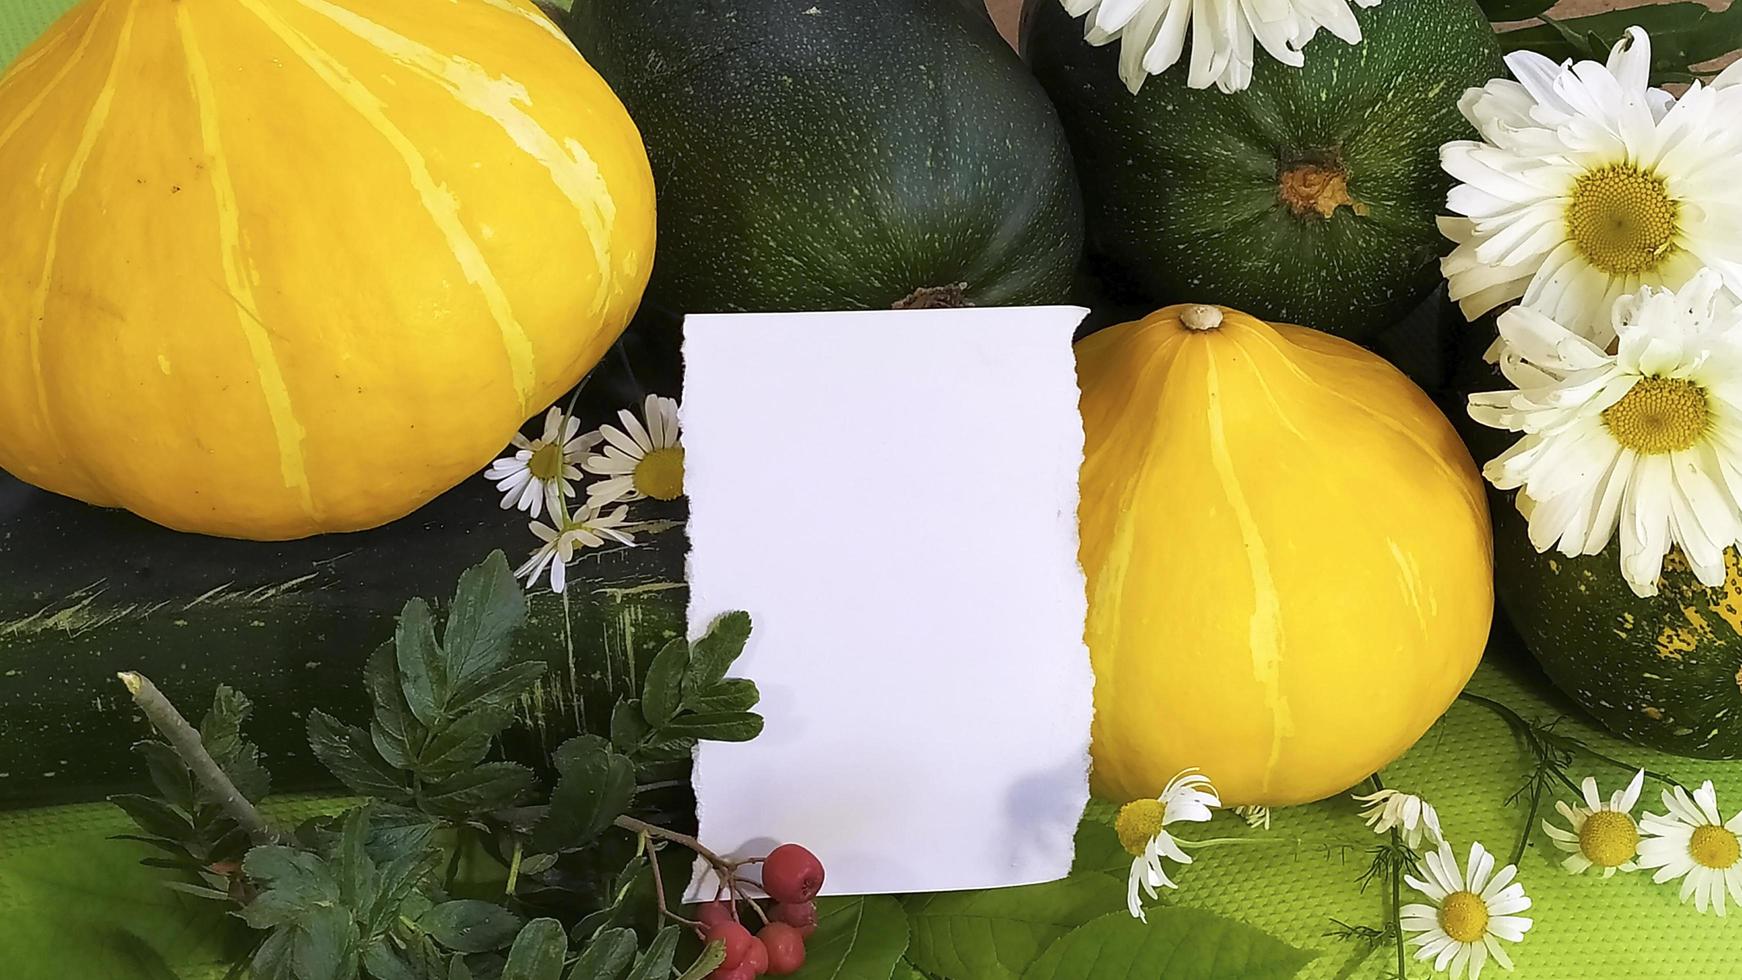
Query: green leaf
x=172, y=777
x=736, y=726
x=356, y=871
x=1683, y=34
x=350, y=755
x=470, y=926
x=713, y=654
x=221, y=734
x=662, y=691
x=711, y=956
x=491, y=786
x=628, y=725
x=731, y=695
x=271, y=961
x=1177, y=943
x=326, y=946
x=422, y=670
x=394, y=731
x=905, y=970
x=383, y=961
x=655, y=963
x=856, y=939
x=489, y=606
x=538, y=952
x=293, y=884
x=156, y=817
x=397, y=881
x=606, y=956
x=459, y=745
x=594, y=787
x=996, y=934
x=497, y=689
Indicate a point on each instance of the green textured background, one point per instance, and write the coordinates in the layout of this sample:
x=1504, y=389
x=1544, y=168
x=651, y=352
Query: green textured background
x=1587, y=928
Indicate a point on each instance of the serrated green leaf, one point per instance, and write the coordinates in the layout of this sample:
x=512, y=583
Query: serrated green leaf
x=460, y=744
x=498, y=688
x=628, y=725
x=395, y=733
x=731, y=726
x=155, y=817
x=594, y=786
x=665, y=750
x=1683, y=34
x=349, y=753
x=711, y=956
x=713, y=654
x=356, y=873
x=457, y=970
x=488, y=607
x=172, y=777
x=271, y=961
x=655, y=963
x=997, y=934
x=470, y=926
x=734, y=694
x=606, y=956
x=662, y=690
x=856, y=939
x=398, y=830
x=293, y=884
x=326, y=946
x=383, y=961
x=490, y=786
x=538, y=952
x=221, y=734
x=1176, y=942
x=422, y=669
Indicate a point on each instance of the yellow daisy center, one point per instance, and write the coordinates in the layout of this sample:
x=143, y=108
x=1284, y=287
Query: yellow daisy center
x=1712, y=846
x=546, y=462
x=660, y=474
x=1138, y=821
x=1464, y=916
x=1623, y=220
x=1609, y=839
x=1659, y=415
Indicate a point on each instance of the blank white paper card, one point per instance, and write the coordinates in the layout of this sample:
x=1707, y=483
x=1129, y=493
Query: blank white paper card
x=892, y=496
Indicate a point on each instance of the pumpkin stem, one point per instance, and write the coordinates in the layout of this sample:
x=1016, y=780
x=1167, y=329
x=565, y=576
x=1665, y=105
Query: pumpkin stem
x=1317, y=188
x=1200, y=317
x=951, y=297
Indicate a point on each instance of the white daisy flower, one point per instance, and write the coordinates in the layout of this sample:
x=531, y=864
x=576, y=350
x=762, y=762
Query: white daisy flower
x=640, y=460
x=1255, y=816
x=1648, y=438
x=1603, y=835
x=1152, y=34
x=1588, y=183
x=1142, y=824
x=590, y=527
x=1693, y=842
x=1467, y=916
x=1388, y=808
x=538, y=473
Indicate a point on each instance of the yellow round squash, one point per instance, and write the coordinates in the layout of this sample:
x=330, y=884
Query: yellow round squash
x=270, y=268
x=1287, y=551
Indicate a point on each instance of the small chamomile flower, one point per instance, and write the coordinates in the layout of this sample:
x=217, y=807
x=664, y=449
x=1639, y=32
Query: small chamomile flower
x=538, y=474
x=639, y=460
x=588, y=527
x=1467, y=915
x=1388, y=808
x=1603, y=834
x=1142, y=828
x=1694, y=843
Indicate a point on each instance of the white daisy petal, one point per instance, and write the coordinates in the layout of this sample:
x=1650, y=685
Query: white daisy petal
x=1692, y=843
x=1461, y=930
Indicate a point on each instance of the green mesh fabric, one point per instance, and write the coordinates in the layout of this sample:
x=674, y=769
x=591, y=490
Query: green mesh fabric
x=1586, y=928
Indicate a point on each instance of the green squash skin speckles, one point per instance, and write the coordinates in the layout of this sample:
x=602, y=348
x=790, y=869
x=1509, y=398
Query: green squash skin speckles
x=839, y=154
x=1182, y=186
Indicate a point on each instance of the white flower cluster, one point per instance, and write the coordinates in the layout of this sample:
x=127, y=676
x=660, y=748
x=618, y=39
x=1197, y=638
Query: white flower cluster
x=1612, y=213
x=641, y=459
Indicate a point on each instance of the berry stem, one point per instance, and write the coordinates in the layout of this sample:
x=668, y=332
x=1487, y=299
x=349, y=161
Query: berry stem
x=659, y=885
x=646, y=829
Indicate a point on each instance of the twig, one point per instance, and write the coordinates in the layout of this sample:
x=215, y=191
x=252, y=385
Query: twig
x=659, y=885
x=635, y=826
x=186, y=741
x=1397, y=903
x=513, y=868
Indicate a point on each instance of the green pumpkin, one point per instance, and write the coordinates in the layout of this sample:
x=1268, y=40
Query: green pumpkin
x=1310, y=198
x=1663, y=671
x=839, y=154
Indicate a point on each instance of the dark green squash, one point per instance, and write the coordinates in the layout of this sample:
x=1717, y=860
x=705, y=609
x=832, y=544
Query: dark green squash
x=1309, y=198
x=839, y=154
x=1664, y=671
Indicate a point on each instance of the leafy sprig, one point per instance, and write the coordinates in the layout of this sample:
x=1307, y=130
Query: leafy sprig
x=1684, y=34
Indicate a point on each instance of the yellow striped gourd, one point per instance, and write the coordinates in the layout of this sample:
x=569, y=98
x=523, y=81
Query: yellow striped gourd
x=270, y=268
x=1287, y=551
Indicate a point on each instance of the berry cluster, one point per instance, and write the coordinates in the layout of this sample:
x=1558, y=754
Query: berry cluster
x=791, y=876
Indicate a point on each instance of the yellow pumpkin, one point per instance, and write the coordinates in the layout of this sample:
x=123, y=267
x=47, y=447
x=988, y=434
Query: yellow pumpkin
x=1288, y=557
x=270, y=268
